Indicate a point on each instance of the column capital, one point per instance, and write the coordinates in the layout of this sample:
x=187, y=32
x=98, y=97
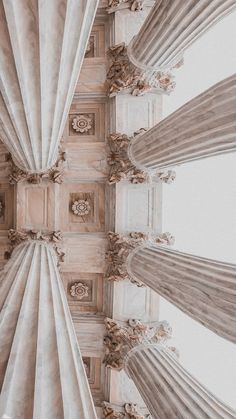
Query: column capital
x=123, y=166
x=53, y=238
x=121, y=249
x=124, y=75
x=132, y=5
x=54, y=174
x=127, y=411
x=121, y=339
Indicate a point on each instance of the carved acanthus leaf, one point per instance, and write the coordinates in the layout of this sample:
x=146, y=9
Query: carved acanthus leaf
x=134, y=412
x=55, y=173
x=119, y=339
x=127, y=411
x=133, y=5
x=17, y=237
x=119, y=248
x=122, y=167
x=109, y=412
x=124, y=75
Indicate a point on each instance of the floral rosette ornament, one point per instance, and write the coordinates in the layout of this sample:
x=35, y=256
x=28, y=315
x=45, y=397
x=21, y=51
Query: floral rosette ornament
x=81, y=207
x=79, y=290
x=82, y=123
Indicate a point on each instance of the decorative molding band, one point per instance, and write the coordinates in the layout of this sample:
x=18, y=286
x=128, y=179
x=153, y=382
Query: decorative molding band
x=123, y=166
x=124, y=75
x=54, y=174
x=54, y=238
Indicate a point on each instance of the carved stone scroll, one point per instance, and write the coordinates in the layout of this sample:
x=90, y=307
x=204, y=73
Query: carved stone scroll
x=123, y=75
x=133, y=5
x=119, y=339
x=54, y=174
x=54, y=238
x=119, y=249
x=122, y=167
x=127, y=411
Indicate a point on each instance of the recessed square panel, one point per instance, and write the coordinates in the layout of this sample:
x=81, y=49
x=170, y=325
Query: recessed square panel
x=86, y=122
x=82, y=124
x=82, y=207
x=84, y=291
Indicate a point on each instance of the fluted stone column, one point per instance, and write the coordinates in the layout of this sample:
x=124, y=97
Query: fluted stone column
x=41, y=370
x=42, y=46
x=168, y=390
x=203, y=127
x=204, y=289
x=171, y=27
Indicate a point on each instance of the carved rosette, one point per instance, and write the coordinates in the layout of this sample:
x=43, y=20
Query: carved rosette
x=54, y=174
x=82, y=123
x=122, y=167
x=54, y=238
x=120, y=248
x=124, y=75
x=79, y=290
x=81, y=207
x=119, y=339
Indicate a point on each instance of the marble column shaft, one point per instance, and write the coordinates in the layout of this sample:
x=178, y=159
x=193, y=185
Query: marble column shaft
x=42, y=46
x=171, y=27
x=203, y=127
x=204, y=289
x=41, y=370
x=168, y=390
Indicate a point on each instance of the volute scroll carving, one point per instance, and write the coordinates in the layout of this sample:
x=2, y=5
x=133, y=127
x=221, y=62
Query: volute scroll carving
x=120, y=339
x=54, y=174
x=54, y=238
x=120, y=248
x=123, y=167
x=123, y=75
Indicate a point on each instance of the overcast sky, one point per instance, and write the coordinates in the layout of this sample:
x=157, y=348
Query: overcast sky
x=200, y=210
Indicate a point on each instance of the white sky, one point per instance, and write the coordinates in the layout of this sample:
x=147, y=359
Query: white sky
x=199, y=208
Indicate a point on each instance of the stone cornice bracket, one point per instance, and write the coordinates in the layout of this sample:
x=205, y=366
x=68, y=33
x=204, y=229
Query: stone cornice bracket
x=121, y=339
x=54, y=238
x=54, y=174
x=121, y=248
x=128, y=411
x=122, y=165
x=133, y=5
x=123, y=75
